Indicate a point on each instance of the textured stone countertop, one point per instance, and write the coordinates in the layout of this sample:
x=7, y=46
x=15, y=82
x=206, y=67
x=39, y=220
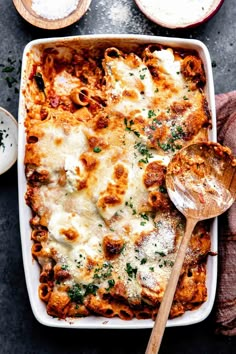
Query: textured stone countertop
x=19, y=331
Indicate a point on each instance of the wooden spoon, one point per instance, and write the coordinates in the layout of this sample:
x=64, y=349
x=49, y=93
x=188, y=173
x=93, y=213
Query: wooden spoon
x=201, y=182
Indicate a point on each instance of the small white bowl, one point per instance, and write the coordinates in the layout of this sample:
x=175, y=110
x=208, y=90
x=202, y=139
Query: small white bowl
x=179, y=14
x=8, y=140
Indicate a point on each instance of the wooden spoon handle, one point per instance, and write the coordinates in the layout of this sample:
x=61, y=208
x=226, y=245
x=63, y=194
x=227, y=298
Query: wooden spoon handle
x=164, y=310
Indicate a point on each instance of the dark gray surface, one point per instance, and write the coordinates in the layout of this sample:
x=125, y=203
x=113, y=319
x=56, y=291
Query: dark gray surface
x=19, y=331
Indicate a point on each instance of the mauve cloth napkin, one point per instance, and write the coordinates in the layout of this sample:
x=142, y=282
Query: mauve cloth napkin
x=225, y=304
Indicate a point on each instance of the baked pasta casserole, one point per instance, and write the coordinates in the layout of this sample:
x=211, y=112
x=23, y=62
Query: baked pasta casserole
x=101, y=126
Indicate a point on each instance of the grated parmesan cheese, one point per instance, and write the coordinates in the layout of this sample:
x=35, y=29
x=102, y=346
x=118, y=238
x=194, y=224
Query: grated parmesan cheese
x=54, y=10
x=181, y=11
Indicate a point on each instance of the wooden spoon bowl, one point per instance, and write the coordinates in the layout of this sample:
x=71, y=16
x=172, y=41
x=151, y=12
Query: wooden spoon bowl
x=201, y=182
x=24, y=7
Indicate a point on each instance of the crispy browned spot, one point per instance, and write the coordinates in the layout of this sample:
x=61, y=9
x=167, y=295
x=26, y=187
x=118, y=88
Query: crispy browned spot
x=70, y=234
x=192, y=68
x=112, y=246
x=154, y=174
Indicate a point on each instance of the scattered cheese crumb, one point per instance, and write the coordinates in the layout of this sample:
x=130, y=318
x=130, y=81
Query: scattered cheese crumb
x=119, y=16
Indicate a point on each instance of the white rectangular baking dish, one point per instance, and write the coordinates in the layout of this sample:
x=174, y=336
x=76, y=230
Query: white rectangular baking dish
x=30, y=266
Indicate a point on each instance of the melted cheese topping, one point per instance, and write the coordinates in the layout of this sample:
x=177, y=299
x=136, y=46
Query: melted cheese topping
x=96, y=197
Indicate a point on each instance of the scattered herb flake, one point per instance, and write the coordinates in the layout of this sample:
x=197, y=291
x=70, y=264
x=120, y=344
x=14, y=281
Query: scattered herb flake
x=97, y=149
x=111, y=284
x=8, y=69
x=10, y=81
x=90, y=289
x=162, y=189
x=131, y=271
x=151, y=113
x=64, y=267
x=76, y=293
x=144, y=216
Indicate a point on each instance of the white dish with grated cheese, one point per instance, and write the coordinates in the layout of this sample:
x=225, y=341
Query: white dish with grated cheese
x=32, y=269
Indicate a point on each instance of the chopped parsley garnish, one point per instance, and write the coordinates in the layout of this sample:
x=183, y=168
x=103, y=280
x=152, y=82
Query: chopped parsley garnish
x=11, y=73
x=11, y=61
x=152, y=127
x=64, y=267
x=156, y=121
x=10, y=81
x=131, y=271
x=130, y=204
x=143, y=260
x=170, y=145
x=76, y=293
x=97, y=149
x=162, y=254
x=90, y=289
x=165, y=146
x=162, y=189
x=151, y=113
x=104, y=272
x=8, y=69
x=128, y=126
x=80, y=263
x=111, y=284
x=144, y=216
x=176, y=133
x=142, y=77
x=144, y=151
x=166, y=263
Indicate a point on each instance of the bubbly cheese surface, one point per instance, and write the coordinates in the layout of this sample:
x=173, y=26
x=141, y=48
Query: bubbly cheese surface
x=97, y=172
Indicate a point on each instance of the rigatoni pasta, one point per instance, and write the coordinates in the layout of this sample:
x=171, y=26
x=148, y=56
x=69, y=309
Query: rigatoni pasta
x=101, y=126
